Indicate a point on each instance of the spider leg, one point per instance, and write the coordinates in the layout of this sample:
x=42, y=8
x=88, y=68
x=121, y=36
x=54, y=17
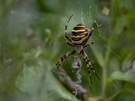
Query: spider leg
x=89, y=65
x=89, y=44
x=70, y=44
x=90, y=33
x=95, y=24
x=65, y=33
x=64, y=57
x=92, y=29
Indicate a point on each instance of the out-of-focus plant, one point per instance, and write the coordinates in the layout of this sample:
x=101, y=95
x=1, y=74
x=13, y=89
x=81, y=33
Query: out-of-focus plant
x=31, y=42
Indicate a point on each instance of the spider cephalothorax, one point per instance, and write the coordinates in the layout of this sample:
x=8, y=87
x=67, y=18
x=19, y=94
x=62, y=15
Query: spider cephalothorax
x=78, y=39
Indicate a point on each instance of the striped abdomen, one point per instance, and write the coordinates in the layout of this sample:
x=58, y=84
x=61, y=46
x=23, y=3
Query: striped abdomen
x=79, y=34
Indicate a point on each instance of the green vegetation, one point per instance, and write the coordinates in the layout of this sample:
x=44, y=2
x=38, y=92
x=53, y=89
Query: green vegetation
x=31, y=43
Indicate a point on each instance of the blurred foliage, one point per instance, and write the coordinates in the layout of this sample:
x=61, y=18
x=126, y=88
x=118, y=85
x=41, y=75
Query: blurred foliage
x=31, y=42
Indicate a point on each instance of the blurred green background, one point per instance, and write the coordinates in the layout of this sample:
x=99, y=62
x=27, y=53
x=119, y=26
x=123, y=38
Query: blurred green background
x=31, y=43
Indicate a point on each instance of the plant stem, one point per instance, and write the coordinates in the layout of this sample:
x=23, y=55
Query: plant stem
x=104, y=69
x=104, y=75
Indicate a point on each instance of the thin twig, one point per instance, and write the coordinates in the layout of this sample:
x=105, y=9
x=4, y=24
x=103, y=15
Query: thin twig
x=71, y=85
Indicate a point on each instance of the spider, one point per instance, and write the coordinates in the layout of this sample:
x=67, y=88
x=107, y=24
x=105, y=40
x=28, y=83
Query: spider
x=78, y=39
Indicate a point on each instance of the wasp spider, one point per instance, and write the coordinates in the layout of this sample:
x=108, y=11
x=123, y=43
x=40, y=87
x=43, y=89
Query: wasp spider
x=78, y=39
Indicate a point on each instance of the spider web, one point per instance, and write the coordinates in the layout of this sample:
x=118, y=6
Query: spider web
x=84, y=11
x=86, y=16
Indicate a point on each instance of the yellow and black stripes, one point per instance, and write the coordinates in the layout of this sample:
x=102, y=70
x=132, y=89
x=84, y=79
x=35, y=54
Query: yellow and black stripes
x=89, y=65
x=64, y=57
x=79, y=34
x=79, y=29
x=78, y=39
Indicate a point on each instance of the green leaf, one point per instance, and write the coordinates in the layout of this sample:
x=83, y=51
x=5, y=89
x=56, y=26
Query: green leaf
x=127, y=76
x=37, y=82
